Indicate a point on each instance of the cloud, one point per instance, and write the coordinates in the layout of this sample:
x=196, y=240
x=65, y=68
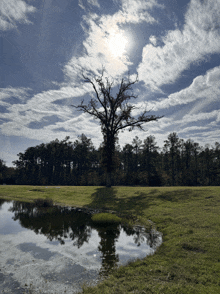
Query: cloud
x=97, y=52
x=61, y=120
x=188, y=125
x=193, y=129
x=205, y=89
x=104, y=30
x=20, y=93
x=187, y=122
x=80, y=3
x=153, y=40
x=199, y=38
x=42, y=106
x=210, y=136
x=136, y=11
x=38, y=117
x=10, y=96
x=94, y=3
x=46, y=130
x=213, y=115
x=12, y=12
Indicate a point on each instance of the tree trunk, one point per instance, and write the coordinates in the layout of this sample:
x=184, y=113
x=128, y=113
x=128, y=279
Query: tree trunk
x=108, y=179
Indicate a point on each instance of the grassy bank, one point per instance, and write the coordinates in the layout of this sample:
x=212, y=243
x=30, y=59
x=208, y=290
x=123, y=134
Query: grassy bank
x=188, y=261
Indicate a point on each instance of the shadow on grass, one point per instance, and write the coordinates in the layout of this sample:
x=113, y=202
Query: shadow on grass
x=107, y=199
x=180, y=195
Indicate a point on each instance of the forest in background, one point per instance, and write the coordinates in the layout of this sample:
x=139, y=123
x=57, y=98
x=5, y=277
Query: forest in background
x=142, y=162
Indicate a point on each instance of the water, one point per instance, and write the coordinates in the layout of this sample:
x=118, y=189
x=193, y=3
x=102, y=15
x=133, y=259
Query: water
x=57, y=249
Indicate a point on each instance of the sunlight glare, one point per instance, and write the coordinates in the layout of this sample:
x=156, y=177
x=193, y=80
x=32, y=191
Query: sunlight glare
x=117, y=43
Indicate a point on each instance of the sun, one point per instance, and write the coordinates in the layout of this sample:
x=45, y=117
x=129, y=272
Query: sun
x=117, y=43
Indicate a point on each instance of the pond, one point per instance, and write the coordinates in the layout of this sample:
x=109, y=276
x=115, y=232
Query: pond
x=58, y=249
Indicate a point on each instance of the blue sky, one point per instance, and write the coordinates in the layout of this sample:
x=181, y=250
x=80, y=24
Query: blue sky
x=173, y=46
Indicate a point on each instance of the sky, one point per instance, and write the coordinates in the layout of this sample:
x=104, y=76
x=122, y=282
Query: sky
x=45, y=46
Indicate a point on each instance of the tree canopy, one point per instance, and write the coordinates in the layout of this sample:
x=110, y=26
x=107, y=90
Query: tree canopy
x=114, y=113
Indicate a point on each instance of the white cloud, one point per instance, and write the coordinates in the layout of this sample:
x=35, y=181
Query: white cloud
x=205, y=89
x=210, y=136
x=41, y=104
x=167, y=125
x=137, y=11
x=200, y=36
x=153, y=40
x=101, y=30
x=71, y=126
x=196, y=124
x=98, y=51
x=90, y=2
x=193, y=128
x=80, y=3
x=20, y=93
x=94, y=2
x=132, y=11
x=13, y=11
x=40, y=108
x=213, y=115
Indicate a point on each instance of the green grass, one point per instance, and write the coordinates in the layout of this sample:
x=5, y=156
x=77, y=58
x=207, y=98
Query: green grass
x=188, y=261
x=106, y=218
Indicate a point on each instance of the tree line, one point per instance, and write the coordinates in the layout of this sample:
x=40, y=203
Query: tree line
x=142, y=162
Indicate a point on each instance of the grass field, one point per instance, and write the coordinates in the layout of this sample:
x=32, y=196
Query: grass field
x=188, y=261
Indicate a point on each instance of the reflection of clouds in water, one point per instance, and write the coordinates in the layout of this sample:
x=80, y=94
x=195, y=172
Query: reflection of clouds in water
x=7, y=224
x=54, y=262
x=34, y=253
x=127, y=249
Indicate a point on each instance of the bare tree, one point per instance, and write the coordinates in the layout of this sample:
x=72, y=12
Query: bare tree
x=114, y=113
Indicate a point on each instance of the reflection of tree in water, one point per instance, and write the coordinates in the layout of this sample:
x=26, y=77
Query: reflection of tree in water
x=60, y=223
x=141, y=236
x=108, y=235
x=56, y=223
